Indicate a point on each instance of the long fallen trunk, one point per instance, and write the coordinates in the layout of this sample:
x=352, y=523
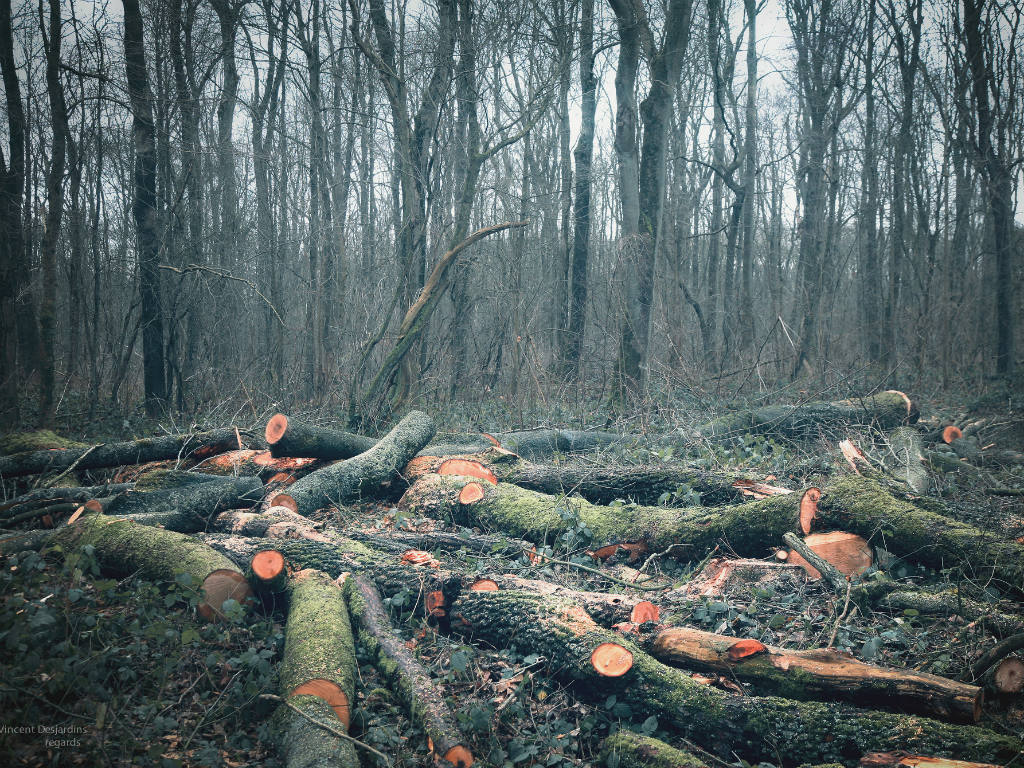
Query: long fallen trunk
x=318, y=668
x=195, y=445
x=644, y=484
x=854, y=504
x=884, y=411
x=822, y=673
x=187, y=509
x=421, y=695
x=288, y=437
x=365, y=474
x=123, y=548
x=755, y=728
x=275, y=523
x=530, y=443
x=47, y=495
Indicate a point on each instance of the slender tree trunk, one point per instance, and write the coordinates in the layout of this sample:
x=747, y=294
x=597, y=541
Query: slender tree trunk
x=746, y=311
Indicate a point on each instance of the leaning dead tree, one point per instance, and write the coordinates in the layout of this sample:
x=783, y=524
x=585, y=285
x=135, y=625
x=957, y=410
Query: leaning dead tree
x=242, y=538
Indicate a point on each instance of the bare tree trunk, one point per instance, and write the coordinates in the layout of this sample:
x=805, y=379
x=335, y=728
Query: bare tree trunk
x=746, y=311
x=144, y=208
x=869, y=282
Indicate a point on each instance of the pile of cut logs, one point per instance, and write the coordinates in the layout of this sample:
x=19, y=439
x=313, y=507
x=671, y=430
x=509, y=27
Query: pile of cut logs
x=252, y=521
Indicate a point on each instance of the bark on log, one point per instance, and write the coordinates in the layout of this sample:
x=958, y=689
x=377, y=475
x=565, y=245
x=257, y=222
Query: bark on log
x=349, y=480
x=46, y=495
x=123, y=547
x=189, y=508
x=169, y=479
x=817, y=674
x=906, y=760
x=399, y=541
x=885, y=411
x=755, y=728
x=627, y=749
x=275, y=523
x=948, y=603
x=260, y=464
x=288, y=437
x=318, y=668
x=421, y=695
x=196, y=445
x=644, y=484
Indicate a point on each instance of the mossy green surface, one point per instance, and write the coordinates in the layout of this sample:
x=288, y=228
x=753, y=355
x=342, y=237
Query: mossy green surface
x=41, y=440
x=626, y=749
x=304, y=744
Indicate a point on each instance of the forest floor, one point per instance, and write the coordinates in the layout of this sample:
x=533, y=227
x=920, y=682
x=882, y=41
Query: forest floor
x=95, y=671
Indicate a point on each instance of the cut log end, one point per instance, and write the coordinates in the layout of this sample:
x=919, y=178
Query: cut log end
x=284, y=500
x=419, y=557
x=470, y=493
x=643, y=611
x=901, y=759
x=276, y=428
x=848, y=552
x=467, y=468
x=267, y=565
x=435, y=603
x=94, y=505
x=219, y=587
x=809, y=508
x=744, y=648
x=951, y=433
x=459, y=756
x=329, y=692
x=1008, y=676
x=611, y=660
x=76, y=514
x=910, y=405
x=484, y=585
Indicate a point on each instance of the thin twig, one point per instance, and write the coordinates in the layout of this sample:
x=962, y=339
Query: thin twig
x=596, y=572
x=226, y=276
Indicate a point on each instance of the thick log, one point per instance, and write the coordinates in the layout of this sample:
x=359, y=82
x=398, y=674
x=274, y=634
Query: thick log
x=268, y=572
x=644, y=484
x=399, y=541
x=1006, y=677
x=195, y=445
x=884, y=411
x=318, y=667
x=422, y=696
x=367, y=473
x=168, y=479
x=288, y=437
x=837, y=556
x=186, y=509
x=303, y=743
x=947, y=602
x=40, y=440
x=49, y=495
x=275, y=523
x=123, y=548
x=627, y=749
x=903, y=759
x=817, y=674
x=755, y=728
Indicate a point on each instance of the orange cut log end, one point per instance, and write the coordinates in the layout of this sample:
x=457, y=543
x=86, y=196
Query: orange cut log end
x=910, y=405
x=951, y=433
x=484, y=585
x=848, y=552
x=809, y=508
x=219, y=587
x=419, y=466
x=611, y=660
x=76, y=514
x=459, y=756
x=746, y=647
x=267, y=565
x=470, y=493
x=94, y=506
x=899, y=759
x=281, y=478
x=329, y=692
x=276, y=428
x=435, y=603
x=491, y=438
x=418, y=557
x=1009, y=675
x=467, y=468
x=284, y=500
x=643, y=611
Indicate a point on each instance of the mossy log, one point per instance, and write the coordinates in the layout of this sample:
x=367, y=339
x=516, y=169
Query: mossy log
x=644, y=484
x=261, y=464
x=948, y=602
x=544, y=443
x=755, y=728
x=275, y=523
x=751, y=528
x=319, y=651
x=123, y=547
x=421, y=695
x=399, y=541
x=169, y=479
x=884, y=411
x=626, y=749
x=186, y=509
x=40, y=440
x=365, y=474
x=195, y=445
x=303, y=743
x=288, y=437
x=822, y=673
x=47, y=495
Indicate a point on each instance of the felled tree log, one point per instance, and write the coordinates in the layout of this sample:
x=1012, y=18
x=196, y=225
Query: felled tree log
x=817, y=674
x=755, y=728
x=627, y=749
x=644, y=484
x=422, y=696
x=47, y=495
x=318, y=667
x=123, y=547
x=196, y=445
x=901, y=759
x=604, y=608
x=260, y=464
x=275, y=523
x=288, y=437
x=1006, y=677
x=543, y=443
x=885, y=411
x=349, y=480
x=40, y=440
x=947, y=603
x=399, y=541
x=186, y=509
